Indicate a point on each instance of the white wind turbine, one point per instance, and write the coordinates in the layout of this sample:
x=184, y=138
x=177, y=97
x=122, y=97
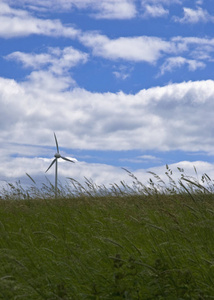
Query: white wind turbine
x=57, y=155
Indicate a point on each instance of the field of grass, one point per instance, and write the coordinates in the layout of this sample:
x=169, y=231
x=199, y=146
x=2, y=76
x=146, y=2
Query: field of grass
x=144, y=242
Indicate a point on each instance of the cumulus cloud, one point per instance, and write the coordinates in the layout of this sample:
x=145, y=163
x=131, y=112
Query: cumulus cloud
x=56, y=60
x=159, y=3
x=186, y=42
x=123, y=72
x=18, y=22
x=142, y=48
x=195, y=16
x=165, y=2
x=161, y=118
x=177, y=62
x=155, y=11
x=176, y=116
x=114, y=9
x=51, y=69
x=197, y=48
x=100, y=174
x=105, y=9
x=189, y=169
x=15, y=168
x=150, y=49
x=121, y=75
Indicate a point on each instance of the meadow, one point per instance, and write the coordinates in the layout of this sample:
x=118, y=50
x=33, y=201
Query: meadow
x=145, y=241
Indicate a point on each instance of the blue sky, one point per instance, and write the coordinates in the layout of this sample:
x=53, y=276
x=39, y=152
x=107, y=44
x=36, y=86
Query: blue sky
x=123, y=83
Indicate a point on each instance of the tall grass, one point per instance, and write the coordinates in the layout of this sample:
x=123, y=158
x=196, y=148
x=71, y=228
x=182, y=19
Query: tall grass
x=145, y=241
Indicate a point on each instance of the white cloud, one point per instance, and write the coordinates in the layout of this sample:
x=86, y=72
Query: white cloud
x=47, y=82
x=51, y=69
x=35, y=61
x=189, y=168
x=155, y=11
x=57, y=60
x=147, y=48
x=177, y=116
x=150, y=49
x=121, y=75
x=143, y=48
x=17, y=22
x=196, y=48
x=123, y=72
x=105, y=9
x=157, y=8
x=115, y=9
x=161, y=118
x=186, y=41
x=177, y=62
x=100, y=174
x=160, y=2
x=16, y=168
x=194, y=16
x=6, y=10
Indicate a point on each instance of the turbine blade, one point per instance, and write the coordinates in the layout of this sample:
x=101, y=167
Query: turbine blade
x=57, y=147
x=51, y=165
x=67, y=159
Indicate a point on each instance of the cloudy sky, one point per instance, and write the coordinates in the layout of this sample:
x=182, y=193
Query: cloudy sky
x=122, y=83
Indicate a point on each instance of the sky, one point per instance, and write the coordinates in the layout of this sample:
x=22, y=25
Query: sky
x=122, y=83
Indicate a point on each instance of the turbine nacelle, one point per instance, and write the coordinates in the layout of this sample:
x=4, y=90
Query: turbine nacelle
x=57, y=155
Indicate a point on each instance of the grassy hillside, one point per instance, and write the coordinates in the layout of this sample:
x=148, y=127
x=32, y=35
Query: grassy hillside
x=127, y=246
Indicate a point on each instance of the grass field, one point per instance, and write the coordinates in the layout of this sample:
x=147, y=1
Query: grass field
x=144, y=242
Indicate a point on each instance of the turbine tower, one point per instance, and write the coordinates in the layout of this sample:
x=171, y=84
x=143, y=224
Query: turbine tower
x=57, y=155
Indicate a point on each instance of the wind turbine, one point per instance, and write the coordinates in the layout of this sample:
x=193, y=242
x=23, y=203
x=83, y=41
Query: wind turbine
x=57, y=155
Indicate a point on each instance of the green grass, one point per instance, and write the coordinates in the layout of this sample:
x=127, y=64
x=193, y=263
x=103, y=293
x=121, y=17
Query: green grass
x=156, y=244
